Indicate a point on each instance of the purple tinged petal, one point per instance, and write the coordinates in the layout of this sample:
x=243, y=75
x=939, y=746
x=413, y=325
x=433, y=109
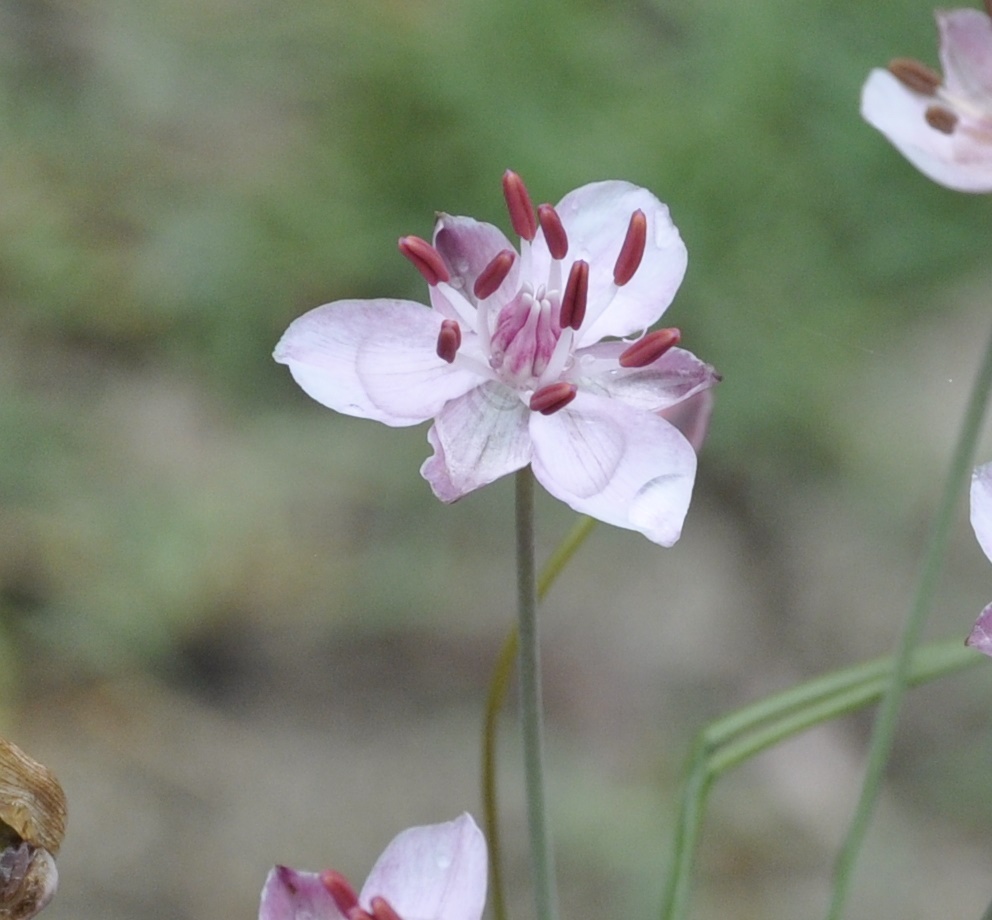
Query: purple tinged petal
x=596, y=218
x=437, y=872
x=966, y=53
x=981, y=507
x=291, y=895
x=981, y=635
x=477, y=439
x=468, y=246
x=621, y=465
x=692, y=417
x=374, y=359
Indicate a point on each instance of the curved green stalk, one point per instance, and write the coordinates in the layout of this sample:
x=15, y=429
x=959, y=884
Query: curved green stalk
x=738, y=736
x=885, y=723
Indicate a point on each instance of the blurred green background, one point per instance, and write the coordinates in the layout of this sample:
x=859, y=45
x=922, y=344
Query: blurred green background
x=241, y=629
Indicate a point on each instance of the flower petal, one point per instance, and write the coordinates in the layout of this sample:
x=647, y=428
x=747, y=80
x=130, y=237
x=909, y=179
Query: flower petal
x=595, y=218
x=957, y=160
x=437, y=872
x=673, y=377
x=966, y=53
x=291, y=895
x=981, y=635
x=374, y=359
x=692, y=417
x=468, y=246
x=477, y=439
x=981, y=507
x=621, y=465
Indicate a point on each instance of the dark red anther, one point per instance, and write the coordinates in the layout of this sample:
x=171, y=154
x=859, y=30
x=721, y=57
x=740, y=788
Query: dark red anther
x=649, y=348
x=941, y=119
x=554, y=232
x=916, y=76
x=988, y=8
x=340, y=890
x=519, y=205
x=383, y=910
x=553, y=397
x=449, y=340
x=425, y=258
x=494, y=274
x=573, y=301
x=632, y=250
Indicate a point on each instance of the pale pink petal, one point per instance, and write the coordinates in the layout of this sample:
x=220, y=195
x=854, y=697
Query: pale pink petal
x=374, y=359
x=621, y=465
x=957, y=160
x=291, y=895
x=981, y=507
x=966, y=53
x=673, y=377
x=981, y=635
x=467, y=247
x=595, y=218
x=437, y=872
x=477, y=439
x=692, y=417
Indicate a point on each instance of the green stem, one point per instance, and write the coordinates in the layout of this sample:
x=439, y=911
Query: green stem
x=542, y=861
x=738, y=736
x=499, y=685
x=885, y=723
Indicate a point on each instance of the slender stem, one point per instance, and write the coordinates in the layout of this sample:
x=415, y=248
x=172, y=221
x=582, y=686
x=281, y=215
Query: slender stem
x=738, y=736
x=542, y=861
x=885, y=722
x=499, y=685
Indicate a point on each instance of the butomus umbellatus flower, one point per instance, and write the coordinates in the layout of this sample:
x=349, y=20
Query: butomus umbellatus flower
x=526, y=357
x=436, y=872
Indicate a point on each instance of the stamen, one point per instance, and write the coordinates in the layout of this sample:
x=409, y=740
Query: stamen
x=449, y=340
x=941, y=119
x=383, y=910
x=632, y=250
x=573, y=301
x=554, y=232
x=340, y=890
x=916, y=76
x=650, y=348
x=425, y=258
x=494, y=274
x=519, y=205
x=553, y=397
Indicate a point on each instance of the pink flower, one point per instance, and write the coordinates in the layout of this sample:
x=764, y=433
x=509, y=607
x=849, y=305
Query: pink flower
x=510, y=359
x=437, y=872
x=942, y=126
x=981, y=521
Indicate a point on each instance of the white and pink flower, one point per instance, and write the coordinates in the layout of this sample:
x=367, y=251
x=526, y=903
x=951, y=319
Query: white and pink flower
x=436, y=872
x=523, y=358
x=942, y=125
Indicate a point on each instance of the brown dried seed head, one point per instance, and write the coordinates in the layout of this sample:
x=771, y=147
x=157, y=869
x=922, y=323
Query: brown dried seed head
x=32, y=802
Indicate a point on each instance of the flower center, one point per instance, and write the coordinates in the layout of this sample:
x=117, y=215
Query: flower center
x=525, y=336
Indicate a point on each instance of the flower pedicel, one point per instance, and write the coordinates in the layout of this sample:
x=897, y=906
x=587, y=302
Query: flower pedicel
x=520, y=360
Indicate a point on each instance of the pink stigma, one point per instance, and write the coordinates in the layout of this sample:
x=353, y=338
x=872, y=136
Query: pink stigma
x=554, y=232
x=449, y=340
x=425, y=258
x=632, y=250
x=573, y=301
x=519, y=205
x=650, y=348
x=553, y=397
x=494, y=274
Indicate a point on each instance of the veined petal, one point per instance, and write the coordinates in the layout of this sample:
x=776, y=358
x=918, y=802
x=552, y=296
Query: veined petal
x=981, y=507
x=374, y=359
x=673, y=377
x=291, y=895
x=957, y=160
x=621, y=465
x=467, y=247
x=595, y=218
x=477, y=439
x=437, y=872
x=966, y=54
